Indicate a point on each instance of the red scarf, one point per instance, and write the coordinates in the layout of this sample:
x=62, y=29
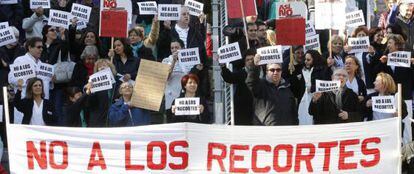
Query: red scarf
x=89, y=68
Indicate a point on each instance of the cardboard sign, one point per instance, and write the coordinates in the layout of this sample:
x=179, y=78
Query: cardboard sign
x=59, y=18
x=229, y=53
x=325, y=86
x=45, y=71
x=81, y=12
x=271, y=54
x=100, y=81
x=355, y=19
x=147, y=8
x=330, y=14
x=169, y=12
x=195, y=8
x=309, y=29
x=34, y=4
x=189, y=57
x=114, y=23
x=23, y=71
x=7, y=36
x=384, y=104
x=234, y=8
x=290, y=9
x=187, y=106
x=8, y=2
x=290, y=31
x=399, y=58
x=312, y=43
x=358, y=44
x=117, y=4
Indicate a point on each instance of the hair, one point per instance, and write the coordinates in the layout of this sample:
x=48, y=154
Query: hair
x=396, y=29
x=372, y=32
x=137, y=32
x=45, y=30
x=386, y=3
x=179, y=42
x=250, y=24
x=30, y=43
x=97, y=40
x=260, y=23
x=399, y=41
x=127, y=47
x=122, y=86
x=358, y=72
x=359, y=29
x=187, y=77
x=271, y=37
x=250, y=52
x=335, y=38
x=317, y=59
x=100, y=61
x=30, y=83
x=267, y=65
x=70, y=92
x=339, y=69
x=90, y=50
x=388, y=82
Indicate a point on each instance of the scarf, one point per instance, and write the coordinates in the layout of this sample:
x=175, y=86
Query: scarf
x=89, y=68
x=135, y=47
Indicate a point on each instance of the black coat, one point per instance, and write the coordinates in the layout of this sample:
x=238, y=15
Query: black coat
x=8, y=55
x=98, y=108
x=320, y=73
x=26, y=107
x=51, y=55
x=368, y=110
x=71, y=112
x=130, y=67
x=369, y=67
x=79, y=76
x=202, y=118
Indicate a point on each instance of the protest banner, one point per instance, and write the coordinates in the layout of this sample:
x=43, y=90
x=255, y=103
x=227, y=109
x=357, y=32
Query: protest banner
x=8, y=2
x=117, y=4
x=114, y=23
x=325, y=86
x=309, y=29
x=7, y=36
x=229, y=53
x=34, y=4
x=101, y=81
x=23, y=70
x=169, y=12
x=312, y=43
x=270, y=54
x=4, y=25
x=45, y=71
x=384, y=104
x=187, y=106
x=400, y=59
x=59, y=18
x=330, y=14
x=234, y=8
x=147, y=8
x=290, y=31
x=81, y=12
x=291, y=9
x=364, y=147
x=358, y=44
x=355, y=19
x=150, y=84
x=195, y=8
x=189, y=57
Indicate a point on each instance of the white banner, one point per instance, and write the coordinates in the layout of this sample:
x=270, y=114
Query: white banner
x=45, y=71
x=59, y=18
x=7, y=36
x=229, y=53
x=147, y=8
x=189, y=57
x=187, y=106
x=330, y=14
x=309, y=29
x=194, y=8
x=358, y=44
x=355, y=19
x=81, y=12
x=34, y=4
x=101, y=81
x=169, y=12
x=312, y=43
x=399, y=58
x=23, y=70
x=325, y=86
x=289, y=9
x=365, y=147
x=270, y=54
x=384, y=104
x=8, y=2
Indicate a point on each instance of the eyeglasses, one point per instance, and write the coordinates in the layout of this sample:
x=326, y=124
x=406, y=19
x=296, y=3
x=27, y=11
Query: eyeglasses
x=52, y=30
x=275, y=69
x=124, y=87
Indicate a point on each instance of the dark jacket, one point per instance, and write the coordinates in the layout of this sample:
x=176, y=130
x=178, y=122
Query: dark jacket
x=202, y=118
x=71, y=112
x=79, y=76
x=121, y=115
x=26, y=107
x=325, y=110
x=369, y=62
x=51, y=55
x=97, y=106
x=402, y=75
x=296, y=80
x=273, y=105
x=368, y=110
x=130, y=67
x=8, y=55
x=362, y=89
x=320, y=73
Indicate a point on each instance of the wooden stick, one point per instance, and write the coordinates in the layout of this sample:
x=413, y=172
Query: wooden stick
x=244, y=24
x=399, y=113
x=112, y=47
x=6, y=106
x=330, y=43
x=399, y=99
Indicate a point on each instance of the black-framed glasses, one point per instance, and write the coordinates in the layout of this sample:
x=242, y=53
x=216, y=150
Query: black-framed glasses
x=275, y=69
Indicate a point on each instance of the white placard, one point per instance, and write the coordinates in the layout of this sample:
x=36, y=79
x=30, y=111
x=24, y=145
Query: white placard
x=8, y=2
x=187, y=106
x=399, y=58
x=289, y=9
x=100, y=81
x=325, y=86
x=194, y=8
x=23, y=70
x=384, y=104
x=312, y=43
x=309, y=29
x=7, y=36
x=355, y=19
x=45, y=71
x=169, y=12
x=330, y=14
x=59, y=18
x=358, y=44
x=81, y=25
x=4, y=25
x=1, y=113
x=81, y=12
x=147, y=8
x=270, y=54
x=229, y=53
x=34, y=4
x=189, y=57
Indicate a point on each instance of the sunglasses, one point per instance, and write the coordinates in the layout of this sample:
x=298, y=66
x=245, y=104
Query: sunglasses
x=276, y=69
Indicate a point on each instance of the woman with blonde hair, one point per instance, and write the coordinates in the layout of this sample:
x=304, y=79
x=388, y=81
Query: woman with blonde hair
x=336, y=45
x=271, y=37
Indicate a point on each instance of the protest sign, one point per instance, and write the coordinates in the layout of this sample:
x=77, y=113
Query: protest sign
x=81, y=25
x=7, y=36
x=399, y=58
x=59, y=18
x=229, y=53
x=234, y=8
x=384, y=104
x=290, y=9
x=4, y=25
x=101, y=81
x=7, y=2
x=150, y=84
x=312, y=43
x=147, y=8
x=330, y=14
x=325, y=86
x=45, y=71
x=195, y=8
x=270, y=54
x=114, y=23
x=81, y=12
x=187, y=106
x=169, y=12
x=34, y=4
x=290, y=31
x=355, y=19
x=118, y=4
x=23, y=70
x=358, y=44
x=309, y=29
x=363, y=147
x=189, y=57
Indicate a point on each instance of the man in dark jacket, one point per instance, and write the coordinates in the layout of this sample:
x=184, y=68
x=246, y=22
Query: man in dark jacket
x=405, y=21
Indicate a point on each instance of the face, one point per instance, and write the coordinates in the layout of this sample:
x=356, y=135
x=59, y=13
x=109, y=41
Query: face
x=75, y=97
x=119, y=47
x=391, y=45
x=308, y=61
x=252, y=32
x=342, y=76
x=389, y=31
x=37, y=88
x=89, y=59
x=337, y=46
x=378, y=85
x=361, y=34
x=191, y=86
x=185, y=16
x=298, y=54
x=274, y=72
x=90, y=39
x=126, y=89
x=261, y=32
x=51, y=33
x=406, y=10
x=249, y=60
x=350, y=66
x=175, y=46
x=390, y=3
x=102, y=66
x=134, y=38
x=63, y=3
x=378, y=37
x=36, y=51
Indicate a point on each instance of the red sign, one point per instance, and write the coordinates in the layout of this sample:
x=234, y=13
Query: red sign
x=290, y=31
x=234, y=8
x=114, y=23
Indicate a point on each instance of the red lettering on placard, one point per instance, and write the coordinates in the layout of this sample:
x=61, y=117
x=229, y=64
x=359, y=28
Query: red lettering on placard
x=234, y=158
x=32, y=152
x=289, y=151
x=256, y=149
x=301, y=157
x=96, y=150
x=150, y=155
x=374, y=151
x=64, y=147
x=183, y=155
x=110, y=4
x=346, y=154
x=327, y=146
x=128, y=165
x=219, y=158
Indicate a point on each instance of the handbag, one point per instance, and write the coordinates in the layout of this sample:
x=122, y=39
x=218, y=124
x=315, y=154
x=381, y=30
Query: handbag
x=63, y=70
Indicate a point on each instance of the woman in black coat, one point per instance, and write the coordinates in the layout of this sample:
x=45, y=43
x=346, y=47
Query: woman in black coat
x=73, y=110
x=354, y=82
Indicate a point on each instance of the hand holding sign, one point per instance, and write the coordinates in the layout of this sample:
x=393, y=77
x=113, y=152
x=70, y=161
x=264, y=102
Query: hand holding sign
x=20, y=84
x=316, y=96
x=343, y=115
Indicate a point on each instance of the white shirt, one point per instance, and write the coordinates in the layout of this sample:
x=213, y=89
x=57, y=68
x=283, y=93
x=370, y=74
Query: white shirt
x=353, y=85
x=37, y=115
x=182, y=33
